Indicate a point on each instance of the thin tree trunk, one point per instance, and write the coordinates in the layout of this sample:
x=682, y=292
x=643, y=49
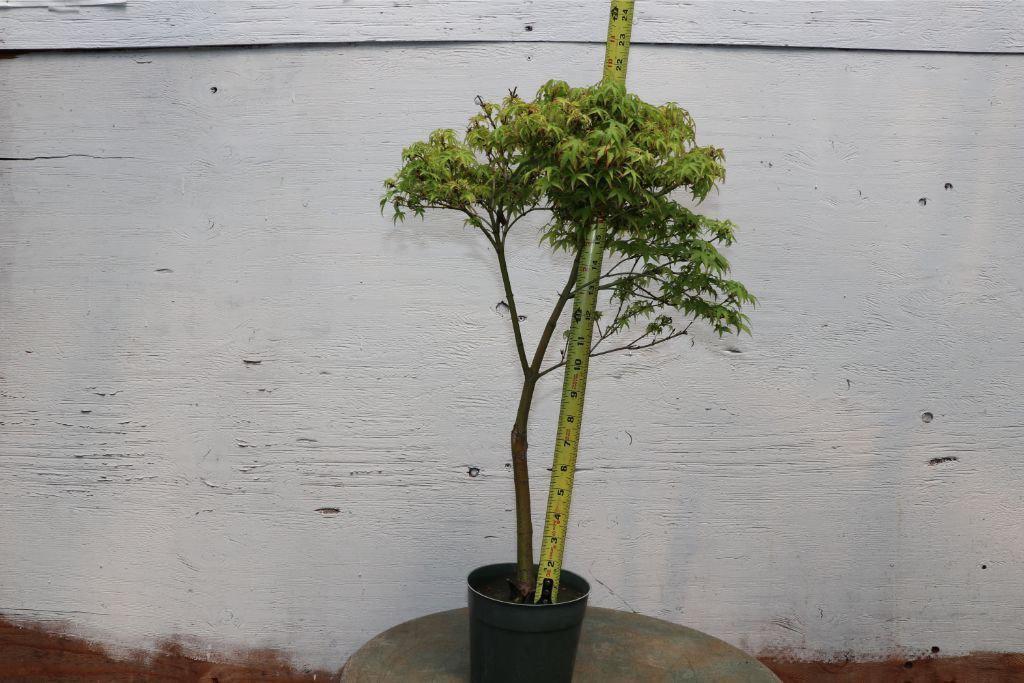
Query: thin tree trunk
x=525, y=577
x=525, y=572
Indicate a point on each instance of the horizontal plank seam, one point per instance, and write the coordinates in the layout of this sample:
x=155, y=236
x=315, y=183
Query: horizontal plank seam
x=435, y=43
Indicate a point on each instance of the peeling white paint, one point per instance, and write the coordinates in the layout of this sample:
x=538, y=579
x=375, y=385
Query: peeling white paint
x=155, y=234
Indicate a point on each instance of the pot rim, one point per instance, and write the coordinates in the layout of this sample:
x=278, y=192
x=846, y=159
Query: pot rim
x=528, y=605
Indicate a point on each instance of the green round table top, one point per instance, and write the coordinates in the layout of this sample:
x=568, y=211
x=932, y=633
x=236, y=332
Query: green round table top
x=614, y=646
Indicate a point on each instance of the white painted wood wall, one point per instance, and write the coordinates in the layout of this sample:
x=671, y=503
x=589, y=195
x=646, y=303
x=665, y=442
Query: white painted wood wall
x=208, y=332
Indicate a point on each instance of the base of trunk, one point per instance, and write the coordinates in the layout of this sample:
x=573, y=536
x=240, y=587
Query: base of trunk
x=511, y=642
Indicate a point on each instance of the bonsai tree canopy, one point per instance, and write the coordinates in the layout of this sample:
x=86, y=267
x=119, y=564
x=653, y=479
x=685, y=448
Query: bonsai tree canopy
x=582, y=156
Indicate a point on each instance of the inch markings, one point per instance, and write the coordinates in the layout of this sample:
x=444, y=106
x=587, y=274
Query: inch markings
x=577, y=362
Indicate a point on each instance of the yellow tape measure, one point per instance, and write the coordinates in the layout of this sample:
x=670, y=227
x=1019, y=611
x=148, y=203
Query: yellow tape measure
x=577, y=361
x=616, y=51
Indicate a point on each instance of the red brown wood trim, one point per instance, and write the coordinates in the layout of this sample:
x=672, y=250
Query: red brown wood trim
x=977, y=667
x=32, y=654
x=37, y=654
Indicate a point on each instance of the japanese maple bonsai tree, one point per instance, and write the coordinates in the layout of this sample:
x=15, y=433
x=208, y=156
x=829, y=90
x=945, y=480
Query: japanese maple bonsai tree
x=576, y=156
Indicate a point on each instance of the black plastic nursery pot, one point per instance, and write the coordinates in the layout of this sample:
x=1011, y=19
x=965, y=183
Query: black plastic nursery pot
x=513, y=643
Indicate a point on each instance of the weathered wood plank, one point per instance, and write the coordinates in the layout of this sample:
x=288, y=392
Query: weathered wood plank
x=155, y=235
x=924, y=25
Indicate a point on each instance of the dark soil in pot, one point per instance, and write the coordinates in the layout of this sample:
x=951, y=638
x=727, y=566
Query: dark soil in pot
x=513, y=642
x=501, y=589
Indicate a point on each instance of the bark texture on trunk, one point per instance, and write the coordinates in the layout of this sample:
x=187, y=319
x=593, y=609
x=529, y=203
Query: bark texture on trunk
x=521, y=478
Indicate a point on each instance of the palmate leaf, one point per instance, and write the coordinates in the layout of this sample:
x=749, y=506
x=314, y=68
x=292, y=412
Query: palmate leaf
x=583, y=155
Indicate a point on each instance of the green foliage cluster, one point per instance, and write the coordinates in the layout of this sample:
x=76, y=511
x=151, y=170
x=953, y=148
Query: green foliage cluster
x=584, y=155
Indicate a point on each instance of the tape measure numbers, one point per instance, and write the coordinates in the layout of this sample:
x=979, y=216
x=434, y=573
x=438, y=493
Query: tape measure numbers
x=577, y=361
x=616, y=51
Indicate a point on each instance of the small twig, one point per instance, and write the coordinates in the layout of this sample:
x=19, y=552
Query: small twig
x=508, y=226
x=632, y=346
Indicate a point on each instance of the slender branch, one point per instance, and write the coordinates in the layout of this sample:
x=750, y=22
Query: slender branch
x=516, y=219
x=490, y=216
x=469, y=214
x=666, y=190
x=621, y=274
x=556, y=313
x=510, y=299
x=610, y=330
x=611, y=271
x=480, y=103
x=651, y=296
x=631, y=346
x=552, y=368
x=490, y=237
x=633, y=275
x=588, y=283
